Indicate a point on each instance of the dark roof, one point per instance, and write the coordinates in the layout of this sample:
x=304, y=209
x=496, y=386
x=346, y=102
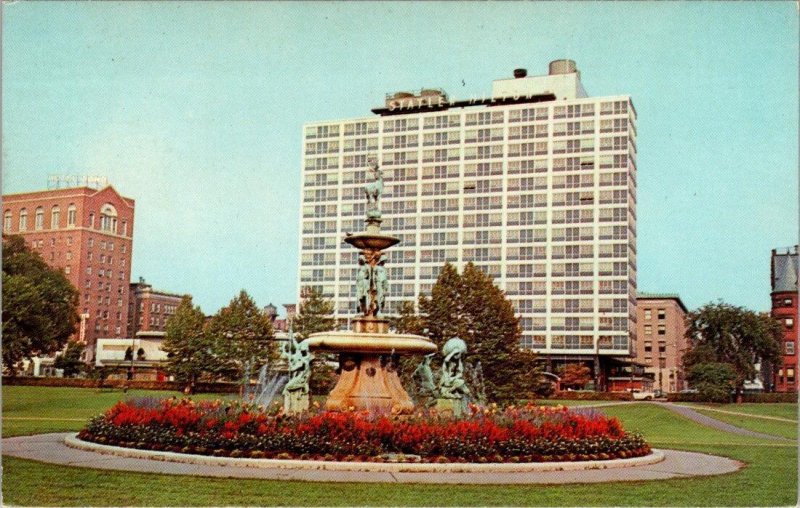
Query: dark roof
x=662, y=296
x=784, y=271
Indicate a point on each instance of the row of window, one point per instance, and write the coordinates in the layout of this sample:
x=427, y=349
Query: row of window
x=449, y=120
x=108, y=219
x=489, y=151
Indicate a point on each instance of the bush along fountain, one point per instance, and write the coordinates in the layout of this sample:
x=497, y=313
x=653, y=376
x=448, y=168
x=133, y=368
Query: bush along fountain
x=368, y=415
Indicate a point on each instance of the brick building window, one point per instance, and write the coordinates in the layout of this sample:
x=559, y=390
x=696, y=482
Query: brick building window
x=789, y=322
x=72, y=215
x=662, y=314
x=7, y=221
x=790, y=347
x=662, y=329
x=648, y=313
x=23, y=219
x=38, y=221
x=55, y=217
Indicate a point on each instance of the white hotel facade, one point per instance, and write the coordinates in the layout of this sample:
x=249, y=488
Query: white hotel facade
x=536, y=185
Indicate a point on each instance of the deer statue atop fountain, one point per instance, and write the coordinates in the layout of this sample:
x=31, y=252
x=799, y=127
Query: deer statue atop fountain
x=374, y=190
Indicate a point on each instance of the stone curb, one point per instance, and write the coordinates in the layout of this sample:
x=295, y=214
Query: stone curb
x=374, y=467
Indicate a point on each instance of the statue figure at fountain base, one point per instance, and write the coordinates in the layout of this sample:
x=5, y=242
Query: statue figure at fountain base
x=295, y=401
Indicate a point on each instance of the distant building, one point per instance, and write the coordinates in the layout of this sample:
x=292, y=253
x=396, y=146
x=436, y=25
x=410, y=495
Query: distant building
x=661, y=328
x=784, y=270
x=149, y=309
x=536, y=185
x=140, y=355
x=88, y=233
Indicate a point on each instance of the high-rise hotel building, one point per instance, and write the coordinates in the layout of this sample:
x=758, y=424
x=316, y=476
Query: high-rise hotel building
x=536, y=185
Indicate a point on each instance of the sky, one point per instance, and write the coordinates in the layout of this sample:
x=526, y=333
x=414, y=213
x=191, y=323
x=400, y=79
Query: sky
x=196, y=110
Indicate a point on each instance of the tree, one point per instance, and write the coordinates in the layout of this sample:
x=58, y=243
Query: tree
x=723, y=333
x=70, y=360
x=407, y=319
x=242, y=334
x=188, y=346
x=470, y=306
x=315, y=314
x=576, y=375
x=713, y=381
x=39, y=305
x=528, y=377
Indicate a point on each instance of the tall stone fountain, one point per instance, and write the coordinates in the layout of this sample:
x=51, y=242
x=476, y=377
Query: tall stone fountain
x=368, y=354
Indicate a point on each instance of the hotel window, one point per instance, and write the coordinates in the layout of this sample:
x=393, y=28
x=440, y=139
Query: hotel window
x=648, y=314
x=648, y=329
x=39, y=219
x=662, y=329
x=648, y=346
x=7, y=221
x=789, y=375
x=662, y=314
x=789, y=322
x=72, y=215
x=55, y=217
x=23, y=219
x=790, y=347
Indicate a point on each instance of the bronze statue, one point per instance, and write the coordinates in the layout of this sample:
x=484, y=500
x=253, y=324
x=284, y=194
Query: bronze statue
x=374, y=190
x=451, y=383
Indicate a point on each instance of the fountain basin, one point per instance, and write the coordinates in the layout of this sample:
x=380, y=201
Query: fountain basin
x=371, y=241
x=375, y=343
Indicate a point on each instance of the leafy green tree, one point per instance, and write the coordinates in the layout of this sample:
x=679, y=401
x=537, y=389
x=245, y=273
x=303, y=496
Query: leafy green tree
x=470, y=306
x=241, y=333
x=315, y=314
x=723, y=333
x=407, y=319
x=528, y=379
x=39, y=305
x=70, y=360
x=713, y=381
x=189, y=348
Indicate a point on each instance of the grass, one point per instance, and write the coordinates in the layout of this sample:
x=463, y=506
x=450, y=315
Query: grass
x=768, y=480
x=36, y=410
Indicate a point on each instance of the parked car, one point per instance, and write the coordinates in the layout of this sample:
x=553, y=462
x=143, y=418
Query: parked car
x=642, y=395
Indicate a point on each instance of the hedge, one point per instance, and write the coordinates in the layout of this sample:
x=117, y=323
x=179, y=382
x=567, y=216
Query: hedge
x=588, y=395
x=119, y=383
x=748, y=397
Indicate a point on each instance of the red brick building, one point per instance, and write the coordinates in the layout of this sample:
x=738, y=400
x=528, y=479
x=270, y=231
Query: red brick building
x=784, y=270
x=661, y=329
x=149, y=309
x=88, y=233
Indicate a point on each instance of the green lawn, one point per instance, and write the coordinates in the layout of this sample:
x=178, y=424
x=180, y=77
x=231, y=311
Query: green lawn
x=35, y=410
x=768, y=480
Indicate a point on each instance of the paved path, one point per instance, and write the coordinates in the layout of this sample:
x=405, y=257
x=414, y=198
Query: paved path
x=690, y=413
x=50, y=448
x=737, y=413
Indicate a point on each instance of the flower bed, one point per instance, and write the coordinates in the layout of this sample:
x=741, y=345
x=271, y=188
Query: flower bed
x=235, y=429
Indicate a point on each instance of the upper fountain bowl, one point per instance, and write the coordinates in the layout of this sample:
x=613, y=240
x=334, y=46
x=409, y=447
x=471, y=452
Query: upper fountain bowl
x=371, y=241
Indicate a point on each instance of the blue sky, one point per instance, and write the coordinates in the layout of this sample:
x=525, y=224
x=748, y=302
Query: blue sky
x=196, y=110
